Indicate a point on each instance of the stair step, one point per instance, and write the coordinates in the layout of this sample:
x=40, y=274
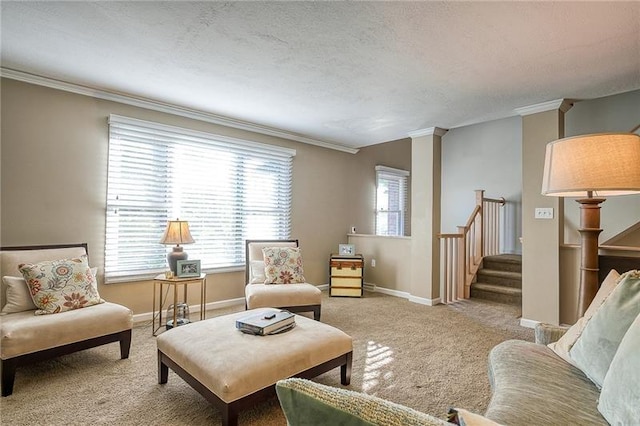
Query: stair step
x=503, y=262
x=496, y=293
x=503, y=278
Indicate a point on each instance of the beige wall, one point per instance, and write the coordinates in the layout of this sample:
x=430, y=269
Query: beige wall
x=362, y=200
x=541, y=238
x=393, y=261
x=54, y=171
x=426, y=160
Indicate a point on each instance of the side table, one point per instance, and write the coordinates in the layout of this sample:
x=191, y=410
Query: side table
x=160, y=281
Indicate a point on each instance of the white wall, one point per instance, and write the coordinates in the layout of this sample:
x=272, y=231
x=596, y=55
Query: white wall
x=483, y=156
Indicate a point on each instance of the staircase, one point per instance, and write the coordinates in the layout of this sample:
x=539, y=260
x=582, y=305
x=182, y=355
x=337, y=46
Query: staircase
x=500, y=279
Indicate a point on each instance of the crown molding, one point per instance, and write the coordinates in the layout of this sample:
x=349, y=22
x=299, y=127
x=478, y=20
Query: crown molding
x=167, y=108
x=563, y=105
x=437, y=131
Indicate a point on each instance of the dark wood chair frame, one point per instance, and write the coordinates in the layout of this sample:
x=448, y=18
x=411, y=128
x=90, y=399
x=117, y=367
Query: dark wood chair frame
x=316, y=309
x=9, y=365
x=229, y=410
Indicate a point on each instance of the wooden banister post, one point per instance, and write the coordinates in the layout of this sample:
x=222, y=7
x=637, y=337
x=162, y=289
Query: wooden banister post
x=479, y=240
x=462, y=269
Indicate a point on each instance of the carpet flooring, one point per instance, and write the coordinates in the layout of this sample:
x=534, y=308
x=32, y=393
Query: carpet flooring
x=427, y=358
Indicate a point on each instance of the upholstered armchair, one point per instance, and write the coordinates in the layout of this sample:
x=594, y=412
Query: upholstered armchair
x=31, y=333
x=277, y=282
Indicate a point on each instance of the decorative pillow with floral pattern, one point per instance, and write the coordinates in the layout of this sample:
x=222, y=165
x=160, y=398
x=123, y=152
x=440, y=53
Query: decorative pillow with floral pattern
x=282, y=265
x=61, y=285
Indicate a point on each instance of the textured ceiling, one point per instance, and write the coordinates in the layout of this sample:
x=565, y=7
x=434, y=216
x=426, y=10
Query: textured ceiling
x=348, y=73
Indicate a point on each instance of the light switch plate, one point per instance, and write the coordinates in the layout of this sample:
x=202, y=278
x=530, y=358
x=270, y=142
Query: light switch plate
x=544, y=213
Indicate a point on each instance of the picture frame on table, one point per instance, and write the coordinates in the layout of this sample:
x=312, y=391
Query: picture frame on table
x=346, y=249
x=188, y=268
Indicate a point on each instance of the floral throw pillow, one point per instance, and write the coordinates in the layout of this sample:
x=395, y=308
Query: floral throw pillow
x=61, y=285
x=282, y=265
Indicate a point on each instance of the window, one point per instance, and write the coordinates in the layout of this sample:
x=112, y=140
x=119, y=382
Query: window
x=228, y=190
x=391, y=200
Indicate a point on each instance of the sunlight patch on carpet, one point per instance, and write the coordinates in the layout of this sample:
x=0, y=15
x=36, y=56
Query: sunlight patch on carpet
x=378, y=357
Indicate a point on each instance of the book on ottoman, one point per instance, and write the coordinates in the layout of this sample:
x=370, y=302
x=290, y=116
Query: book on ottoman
x=269, y=322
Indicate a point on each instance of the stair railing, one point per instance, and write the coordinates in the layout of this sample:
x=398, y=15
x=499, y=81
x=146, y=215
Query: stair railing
x=462, y=252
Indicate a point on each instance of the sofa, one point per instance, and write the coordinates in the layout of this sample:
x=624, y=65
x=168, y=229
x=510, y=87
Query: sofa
x=26, y=337
x=586, y=374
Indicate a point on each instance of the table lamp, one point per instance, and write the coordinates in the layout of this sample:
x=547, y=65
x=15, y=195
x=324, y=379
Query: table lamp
x=177, y=232
x=591, y=167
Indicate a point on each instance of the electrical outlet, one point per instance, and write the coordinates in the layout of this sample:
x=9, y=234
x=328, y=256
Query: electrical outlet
x=544, y=213
x=373, y=263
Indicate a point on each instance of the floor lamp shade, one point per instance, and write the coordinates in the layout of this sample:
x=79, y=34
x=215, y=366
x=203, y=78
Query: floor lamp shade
x=603, y=164
x=591, y=167
x=177, y=233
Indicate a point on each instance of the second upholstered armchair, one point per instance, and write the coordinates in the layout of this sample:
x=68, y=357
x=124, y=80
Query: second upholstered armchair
x=274, y=278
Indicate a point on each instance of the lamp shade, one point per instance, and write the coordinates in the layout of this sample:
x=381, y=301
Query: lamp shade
x=604, y=164
x=177, y=232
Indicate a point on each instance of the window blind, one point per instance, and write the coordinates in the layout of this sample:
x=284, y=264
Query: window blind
x=391, y=200
x=229, y=190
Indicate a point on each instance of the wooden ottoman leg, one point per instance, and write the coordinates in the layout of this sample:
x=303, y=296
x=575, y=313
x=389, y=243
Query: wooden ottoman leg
x=163, y=370
x=345, y=370
x=229, y=416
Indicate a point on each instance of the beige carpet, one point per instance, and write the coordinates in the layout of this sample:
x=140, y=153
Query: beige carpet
x=428, y=358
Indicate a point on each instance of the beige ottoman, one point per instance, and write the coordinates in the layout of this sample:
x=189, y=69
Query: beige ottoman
x=234, y=370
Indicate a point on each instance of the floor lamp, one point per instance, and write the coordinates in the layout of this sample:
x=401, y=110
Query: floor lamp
x=591, y=167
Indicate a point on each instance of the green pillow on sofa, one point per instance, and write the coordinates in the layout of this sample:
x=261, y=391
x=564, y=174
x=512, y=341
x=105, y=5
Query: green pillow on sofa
x=596, y=347
x=620, y=397
x=308, y=403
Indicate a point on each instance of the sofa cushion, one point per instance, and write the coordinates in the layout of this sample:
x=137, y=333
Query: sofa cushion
x=532, y=385
x=597, y=345
x=306, y=403
x=620, y=397
x=566, y=342
x=23, y=332
x=283, y=265
x=61, y=285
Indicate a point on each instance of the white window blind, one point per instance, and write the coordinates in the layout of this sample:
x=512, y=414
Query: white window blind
x=229, y=190
x=391, y=200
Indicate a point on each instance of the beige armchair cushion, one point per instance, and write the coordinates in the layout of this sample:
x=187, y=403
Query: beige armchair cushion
x=24, y=332
x=282, y=295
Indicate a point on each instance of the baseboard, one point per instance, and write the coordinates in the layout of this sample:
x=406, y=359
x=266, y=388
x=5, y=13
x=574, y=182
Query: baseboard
x=404, y=295
x=424, y=301
x=390, y=292
x=528, y=323
x=147, y=316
